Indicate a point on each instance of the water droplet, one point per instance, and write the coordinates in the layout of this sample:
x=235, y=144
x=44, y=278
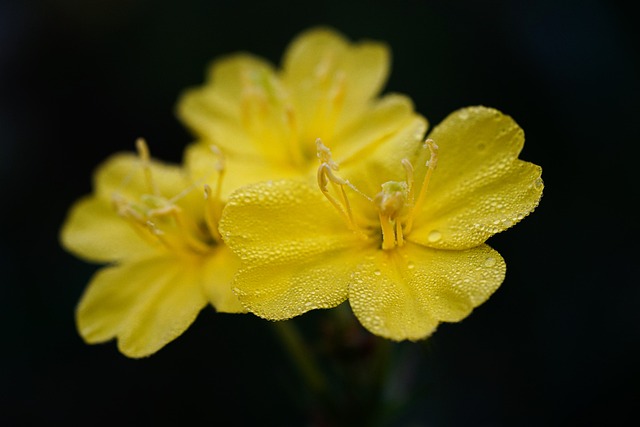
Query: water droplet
x=377, y=272
x=410, y=265
x=434, y=236
x=490, y=262
x=537, y=183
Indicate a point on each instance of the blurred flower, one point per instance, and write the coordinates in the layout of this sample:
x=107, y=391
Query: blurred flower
x=266, y=121
x=399, y=237
x=158, y=231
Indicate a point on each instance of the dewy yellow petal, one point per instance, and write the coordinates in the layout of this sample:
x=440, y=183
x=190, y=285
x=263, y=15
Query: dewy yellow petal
x=145, y=304
x=493, y=207
x=253, y=220
x=290, y=273
x=405, y=293
x=480, y=186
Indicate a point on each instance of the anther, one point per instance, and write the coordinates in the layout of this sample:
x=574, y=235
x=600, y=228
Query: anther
x=145, y=159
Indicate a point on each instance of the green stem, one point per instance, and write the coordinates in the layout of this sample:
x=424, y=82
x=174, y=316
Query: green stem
x=302, y=357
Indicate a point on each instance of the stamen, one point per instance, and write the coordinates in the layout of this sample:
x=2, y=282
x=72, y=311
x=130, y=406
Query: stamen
x=324, y=154
x=145, y=159
x=325, y=175
x=388, y=235
x=185, y=228
x=399, y=235
x=293, y=143
x=213, y=202
x=220, y=167
x=390, y=203
x=408, y=168
x=212, y=213
x=134, y=218
x=431, y=165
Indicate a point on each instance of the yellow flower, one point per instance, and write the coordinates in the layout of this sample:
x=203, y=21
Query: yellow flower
x=266, y=121
x=399, y=231
x=158, y=231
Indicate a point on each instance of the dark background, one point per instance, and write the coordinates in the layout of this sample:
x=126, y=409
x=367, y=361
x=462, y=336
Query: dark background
x=556, y=345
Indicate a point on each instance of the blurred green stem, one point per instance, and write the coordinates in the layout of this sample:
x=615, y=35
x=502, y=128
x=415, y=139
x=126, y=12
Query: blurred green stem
x=302, y=357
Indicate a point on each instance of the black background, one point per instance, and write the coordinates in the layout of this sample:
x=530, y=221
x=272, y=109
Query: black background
x=556, y=345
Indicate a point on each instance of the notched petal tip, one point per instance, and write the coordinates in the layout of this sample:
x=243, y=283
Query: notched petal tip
x=404, y=294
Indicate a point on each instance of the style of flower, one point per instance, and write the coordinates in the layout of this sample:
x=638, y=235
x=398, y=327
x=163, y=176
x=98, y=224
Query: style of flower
x=399, y=231
x=266, y=121
x=158, y=231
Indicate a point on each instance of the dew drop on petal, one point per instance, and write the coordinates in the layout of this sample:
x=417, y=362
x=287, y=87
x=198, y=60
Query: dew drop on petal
x=434, y=236
x=489, y=262
x=377, y=272
x=538, y=183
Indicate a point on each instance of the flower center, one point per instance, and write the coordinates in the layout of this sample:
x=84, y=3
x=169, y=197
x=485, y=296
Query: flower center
x=162, y=221
x=395, y=203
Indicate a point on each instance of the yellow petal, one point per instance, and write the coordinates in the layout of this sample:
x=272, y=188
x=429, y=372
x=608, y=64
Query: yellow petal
x=125, y=175
x=331, y=80
x=479, y=186
x=229, y=75
x=242, y=109
x=492, y=207
x=145, y=304
x=217, y=275
x=238, y=171
x=94, y=232
x=404, y=293
x=296, y=250
x=381, y=122
x=280, y=291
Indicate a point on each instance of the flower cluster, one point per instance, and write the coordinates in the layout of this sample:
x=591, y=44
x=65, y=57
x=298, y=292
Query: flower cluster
x=304, y=188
